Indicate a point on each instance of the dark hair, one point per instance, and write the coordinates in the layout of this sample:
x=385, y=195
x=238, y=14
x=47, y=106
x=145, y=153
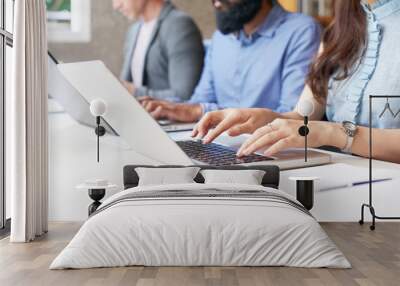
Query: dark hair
x=343, y=42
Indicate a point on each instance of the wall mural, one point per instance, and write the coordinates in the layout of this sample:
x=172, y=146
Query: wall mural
x=58, y=5
x=68, y=20
x=59, y=11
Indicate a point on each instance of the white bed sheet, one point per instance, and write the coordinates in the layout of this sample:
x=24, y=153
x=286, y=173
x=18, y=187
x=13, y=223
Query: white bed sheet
x=200, y=232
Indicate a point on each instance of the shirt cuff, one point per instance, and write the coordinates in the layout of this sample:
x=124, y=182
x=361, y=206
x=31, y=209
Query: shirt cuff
x=208, y=107
x=141, y=91
x=284, y=109
x=166, y=95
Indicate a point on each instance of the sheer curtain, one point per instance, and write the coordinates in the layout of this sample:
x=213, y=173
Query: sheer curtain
x=26, y=119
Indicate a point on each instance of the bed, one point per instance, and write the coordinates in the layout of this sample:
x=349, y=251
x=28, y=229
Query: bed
x=198, y=224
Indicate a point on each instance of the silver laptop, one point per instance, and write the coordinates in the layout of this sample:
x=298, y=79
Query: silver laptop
x=172, y=126
x=127, y=117
x=69, y=98
x=77, y=107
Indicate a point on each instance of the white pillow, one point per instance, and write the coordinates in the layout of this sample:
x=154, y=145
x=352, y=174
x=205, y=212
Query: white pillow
x=242, y=177
x=166, y=176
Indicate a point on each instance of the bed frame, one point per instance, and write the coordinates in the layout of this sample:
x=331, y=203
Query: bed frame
x=271, y=178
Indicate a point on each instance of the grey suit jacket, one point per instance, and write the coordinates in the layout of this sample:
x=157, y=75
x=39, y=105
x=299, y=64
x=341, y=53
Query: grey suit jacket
x=174, y=59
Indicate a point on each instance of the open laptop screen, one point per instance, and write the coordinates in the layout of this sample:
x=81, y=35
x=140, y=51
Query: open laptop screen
x=69, y=98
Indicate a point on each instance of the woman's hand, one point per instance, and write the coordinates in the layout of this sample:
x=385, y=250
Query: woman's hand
x=282, y=134
x=234, y=121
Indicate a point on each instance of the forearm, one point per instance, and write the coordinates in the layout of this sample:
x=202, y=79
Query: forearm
x=291, y=115
x=383, y=142
x=267, y=116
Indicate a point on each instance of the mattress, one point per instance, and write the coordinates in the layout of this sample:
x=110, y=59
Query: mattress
x=201, y=225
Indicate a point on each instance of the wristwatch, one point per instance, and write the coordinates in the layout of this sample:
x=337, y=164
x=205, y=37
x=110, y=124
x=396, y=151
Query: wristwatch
x=350, y=129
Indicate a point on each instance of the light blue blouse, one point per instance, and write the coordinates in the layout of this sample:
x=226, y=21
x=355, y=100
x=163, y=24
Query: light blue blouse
x=377, y=73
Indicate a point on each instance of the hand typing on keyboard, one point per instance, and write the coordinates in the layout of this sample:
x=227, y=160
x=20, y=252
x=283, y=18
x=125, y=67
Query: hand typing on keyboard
x=215, y=154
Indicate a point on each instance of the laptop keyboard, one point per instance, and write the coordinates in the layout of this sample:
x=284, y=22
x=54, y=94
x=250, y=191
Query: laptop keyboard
x=216, y=155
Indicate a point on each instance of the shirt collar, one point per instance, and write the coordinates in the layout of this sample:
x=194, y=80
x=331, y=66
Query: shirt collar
x=167, y=8
x=381, y=8
x=267, y=29
x=272, y=22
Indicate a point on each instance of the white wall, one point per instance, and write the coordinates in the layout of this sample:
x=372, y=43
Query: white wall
x=72, y=153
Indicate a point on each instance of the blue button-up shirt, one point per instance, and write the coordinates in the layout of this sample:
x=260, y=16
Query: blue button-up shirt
x=267, y=69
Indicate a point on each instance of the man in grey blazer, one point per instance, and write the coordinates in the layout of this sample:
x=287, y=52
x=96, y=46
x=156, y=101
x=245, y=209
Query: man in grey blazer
x=164, y=52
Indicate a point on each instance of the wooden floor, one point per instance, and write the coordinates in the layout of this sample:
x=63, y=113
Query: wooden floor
x=375, y=257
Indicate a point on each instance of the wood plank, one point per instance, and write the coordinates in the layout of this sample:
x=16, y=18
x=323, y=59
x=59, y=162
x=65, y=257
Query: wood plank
x=375, y=257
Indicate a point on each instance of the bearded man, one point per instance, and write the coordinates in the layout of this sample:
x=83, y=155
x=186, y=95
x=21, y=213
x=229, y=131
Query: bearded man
x=258, y=58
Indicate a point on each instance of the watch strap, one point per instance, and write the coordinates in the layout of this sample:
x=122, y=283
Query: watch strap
x=350, y=133
x=349, y=144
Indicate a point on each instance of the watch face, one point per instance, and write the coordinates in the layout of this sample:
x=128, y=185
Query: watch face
x=350, y=128
x=350, y=125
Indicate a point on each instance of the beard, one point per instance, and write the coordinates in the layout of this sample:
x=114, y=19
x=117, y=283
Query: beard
x=237, y=15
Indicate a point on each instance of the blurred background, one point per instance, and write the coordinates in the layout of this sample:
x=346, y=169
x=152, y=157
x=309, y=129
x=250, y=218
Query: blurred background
x=108, y=29
x=100, y=31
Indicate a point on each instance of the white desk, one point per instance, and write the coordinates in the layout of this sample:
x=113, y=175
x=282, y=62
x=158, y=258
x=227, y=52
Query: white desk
x=345, y=204
x=73, y=160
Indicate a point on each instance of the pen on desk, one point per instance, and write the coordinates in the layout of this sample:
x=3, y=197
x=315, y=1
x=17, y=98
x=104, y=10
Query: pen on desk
x=354, y=184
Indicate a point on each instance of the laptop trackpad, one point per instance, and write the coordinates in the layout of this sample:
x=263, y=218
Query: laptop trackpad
x=235, y=143
x=232, y=142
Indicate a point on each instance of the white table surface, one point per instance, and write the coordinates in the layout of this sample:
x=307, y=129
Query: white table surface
x=341, y=204
x=73, y=160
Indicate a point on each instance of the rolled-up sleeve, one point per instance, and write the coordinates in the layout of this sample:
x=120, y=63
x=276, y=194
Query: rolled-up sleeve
x=204, y=93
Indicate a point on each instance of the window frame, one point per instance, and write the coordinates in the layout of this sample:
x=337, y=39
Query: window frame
x=6, y=39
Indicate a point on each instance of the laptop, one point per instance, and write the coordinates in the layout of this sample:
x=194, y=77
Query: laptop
x=172, y=126
x=69, y=99
x=131, y=121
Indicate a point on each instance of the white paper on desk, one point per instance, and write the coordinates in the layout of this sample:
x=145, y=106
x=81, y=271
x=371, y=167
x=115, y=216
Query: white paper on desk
x=336, y=175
